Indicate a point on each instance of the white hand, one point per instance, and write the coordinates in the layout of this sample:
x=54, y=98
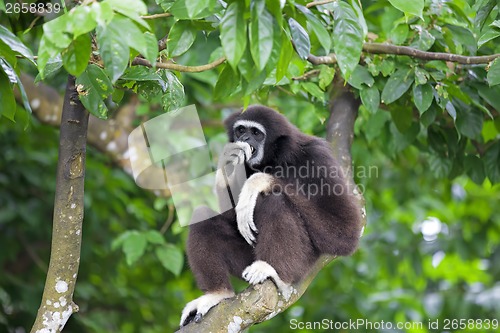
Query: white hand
x=256, y=184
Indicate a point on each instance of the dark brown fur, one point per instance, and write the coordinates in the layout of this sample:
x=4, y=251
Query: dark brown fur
x=293, y=228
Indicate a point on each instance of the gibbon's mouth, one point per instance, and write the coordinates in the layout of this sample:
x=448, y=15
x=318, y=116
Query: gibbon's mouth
x=252, y=150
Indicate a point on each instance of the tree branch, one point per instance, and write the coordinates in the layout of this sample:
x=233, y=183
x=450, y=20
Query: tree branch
x=379, y=48
x=262, y=302
x=108, y=136
x=57, y=301
x=180, y=68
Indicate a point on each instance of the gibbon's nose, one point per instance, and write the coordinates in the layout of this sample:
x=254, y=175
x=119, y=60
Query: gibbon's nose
x=245, y=137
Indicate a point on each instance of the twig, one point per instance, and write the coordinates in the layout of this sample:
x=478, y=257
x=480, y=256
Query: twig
x=170, y=219
x=319, y=60
x=379, y=48
x=317, y=3
x=155, y=16
x=180, y=68
x=306, y=75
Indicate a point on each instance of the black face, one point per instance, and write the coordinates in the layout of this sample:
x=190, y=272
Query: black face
x=266, y=131
x=251, y=135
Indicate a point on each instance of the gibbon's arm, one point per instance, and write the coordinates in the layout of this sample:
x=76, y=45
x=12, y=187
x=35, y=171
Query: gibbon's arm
x=257, y=183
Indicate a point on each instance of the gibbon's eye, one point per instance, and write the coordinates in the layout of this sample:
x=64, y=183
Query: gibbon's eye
x=240, y=130
x=256, y=132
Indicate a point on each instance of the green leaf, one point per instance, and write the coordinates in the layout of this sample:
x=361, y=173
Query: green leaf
x=425, y=40
x=226, y=83
x=375, y=124
x=195, y=7
x=134, y=246
x=494, y=73
x=439, y=166
x=402, y=118
x=76, y=56
x=490, y=95
x=52, y=66
x=141, y=73
x=133, y=9
x=470, y=124
x=182, y=35
x=413, y=7
x=284, y=59
x=429, y=116
x=150, y=51
x=276, y=50
x=450, y=108
x=492, y=162
x=314, y=90
x=397, y=85
x=399, y=34
x=93, y=87
x=300, y=39
x=14, y=78
x=102, y=13
x=8, y=54
x=482, y=10
x=233, y=33
x=58, y=32
x=46, y=51
x=171, y=258
x=82, y=20
x=261, y=34
x=246, y=66
x=488, y=35
x=361, y=76
x=255, y=83
x=114, y=47
x=474, y=168
x=347, y=38
x=8, y=109
x=423, y=94
x=154, y=237
x=421, y=76
x=326, y=75
x=185, y=10
x=370, y=97
x=317, y=27
x=15, y=44
x=174, y=96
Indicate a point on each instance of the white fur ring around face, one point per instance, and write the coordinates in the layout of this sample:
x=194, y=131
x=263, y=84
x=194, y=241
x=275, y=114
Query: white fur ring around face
x=202, y=304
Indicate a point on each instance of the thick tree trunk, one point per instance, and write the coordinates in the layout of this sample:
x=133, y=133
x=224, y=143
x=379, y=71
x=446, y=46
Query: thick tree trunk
x=57, y=301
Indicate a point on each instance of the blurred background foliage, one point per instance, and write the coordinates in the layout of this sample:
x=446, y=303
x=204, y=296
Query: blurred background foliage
x=429, y=173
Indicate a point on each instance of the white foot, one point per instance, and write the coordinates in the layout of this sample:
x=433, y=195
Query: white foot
x=260, y=270
x=202, y=304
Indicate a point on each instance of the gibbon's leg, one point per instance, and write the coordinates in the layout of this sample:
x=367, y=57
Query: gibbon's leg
x=283, y=246
x=215, y=249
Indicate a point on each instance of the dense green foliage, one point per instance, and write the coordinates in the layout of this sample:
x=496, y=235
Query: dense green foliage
x=426, y=151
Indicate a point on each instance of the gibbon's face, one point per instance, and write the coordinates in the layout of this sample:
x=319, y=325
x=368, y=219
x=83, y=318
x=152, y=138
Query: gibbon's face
x=254, y=134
